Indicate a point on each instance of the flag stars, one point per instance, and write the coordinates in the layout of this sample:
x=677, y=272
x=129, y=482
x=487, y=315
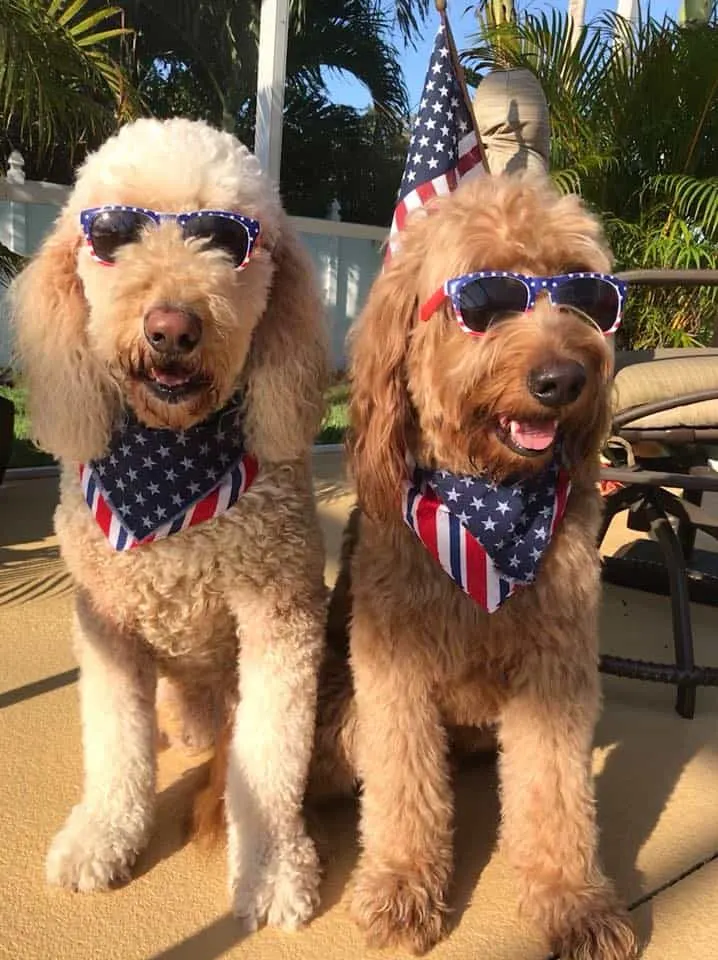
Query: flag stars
x=453, y=494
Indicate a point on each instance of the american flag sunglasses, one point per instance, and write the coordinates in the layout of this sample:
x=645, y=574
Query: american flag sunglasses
x=483, y=299
x=112, y=226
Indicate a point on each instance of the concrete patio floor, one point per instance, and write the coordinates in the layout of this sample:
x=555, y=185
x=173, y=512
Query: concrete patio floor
x=656, y=777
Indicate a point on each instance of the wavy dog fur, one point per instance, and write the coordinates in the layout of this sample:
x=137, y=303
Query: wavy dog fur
x=179, y=606
x=423, y=659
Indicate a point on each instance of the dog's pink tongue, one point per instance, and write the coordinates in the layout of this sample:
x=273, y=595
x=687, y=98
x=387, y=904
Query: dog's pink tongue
x=168, y=379
x=533, y=434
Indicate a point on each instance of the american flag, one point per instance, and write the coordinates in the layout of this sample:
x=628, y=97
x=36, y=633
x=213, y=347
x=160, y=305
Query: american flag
x=489, y=538
x=153, y=483
x=444, y=145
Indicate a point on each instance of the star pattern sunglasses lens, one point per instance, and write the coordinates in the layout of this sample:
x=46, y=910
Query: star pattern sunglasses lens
x=485, y=300
x=223, y=233
x=594, y=297
x=112, y=229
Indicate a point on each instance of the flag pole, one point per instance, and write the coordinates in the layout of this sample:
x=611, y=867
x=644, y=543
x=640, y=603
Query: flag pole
x=459, y=71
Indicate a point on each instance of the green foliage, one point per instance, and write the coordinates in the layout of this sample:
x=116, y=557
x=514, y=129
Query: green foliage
x=57, y=80
x=200, y=59
x=634, y=128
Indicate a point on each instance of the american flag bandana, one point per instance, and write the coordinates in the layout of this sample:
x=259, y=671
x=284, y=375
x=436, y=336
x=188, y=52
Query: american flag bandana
x=154, y=483
x=444, y=145
x=488, y=537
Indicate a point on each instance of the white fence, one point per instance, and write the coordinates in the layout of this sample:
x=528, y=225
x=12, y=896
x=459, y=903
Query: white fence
x=347, y=256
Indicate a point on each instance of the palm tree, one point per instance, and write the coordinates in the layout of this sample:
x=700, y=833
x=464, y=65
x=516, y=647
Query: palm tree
x=200, y=59
x=57, y=80
x=209, y=47
x=634, y=128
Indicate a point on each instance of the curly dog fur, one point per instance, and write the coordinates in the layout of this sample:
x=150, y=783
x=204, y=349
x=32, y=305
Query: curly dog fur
x=412, y=658
x=180, y=606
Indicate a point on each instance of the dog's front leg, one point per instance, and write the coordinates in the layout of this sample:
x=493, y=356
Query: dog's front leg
x=548, y=820
x=110, y=826
x=273, y=867
x=401, y=882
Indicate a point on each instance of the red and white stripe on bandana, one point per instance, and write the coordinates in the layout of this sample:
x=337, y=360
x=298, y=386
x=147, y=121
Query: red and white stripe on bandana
x=444, y=529
x=216, y=502
x=444, y=144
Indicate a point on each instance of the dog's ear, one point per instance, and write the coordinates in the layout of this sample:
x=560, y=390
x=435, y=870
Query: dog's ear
x=381, y=412
x=70, y=398
x=287, y=368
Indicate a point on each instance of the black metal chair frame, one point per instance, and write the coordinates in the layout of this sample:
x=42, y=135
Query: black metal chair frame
x=673, y=521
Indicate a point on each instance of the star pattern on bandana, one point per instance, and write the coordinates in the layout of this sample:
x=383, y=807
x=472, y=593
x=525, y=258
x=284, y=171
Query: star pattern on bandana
x=512, y=522
x=151, y=476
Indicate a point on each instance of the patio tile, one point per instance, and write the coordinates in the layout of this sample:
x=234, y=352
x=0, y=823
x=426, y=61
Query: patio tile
x=656, y=779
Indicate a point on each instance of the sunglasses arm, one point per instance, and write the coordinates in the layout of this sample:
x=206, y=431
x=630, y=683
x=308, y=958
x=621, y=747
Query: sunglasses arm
x=430, y=306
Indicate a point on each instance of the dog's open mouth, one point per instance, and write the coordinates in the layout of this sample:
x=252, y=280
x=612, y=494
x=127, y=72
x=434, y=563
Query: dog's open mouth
x=529, y=438
x=172, y=383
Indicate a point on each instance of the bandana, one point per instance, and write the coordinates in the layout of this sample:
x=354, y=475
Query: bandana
x=154, y=483
x=488, y=537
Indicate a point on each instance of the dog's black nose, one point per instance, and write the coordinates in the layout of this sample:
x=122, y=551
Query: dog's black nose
x=172, y=330
x=558, y=383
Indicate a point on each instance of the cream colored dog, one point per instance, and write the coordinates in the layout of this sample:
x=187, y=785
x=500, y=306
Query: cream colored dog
x=211, y=322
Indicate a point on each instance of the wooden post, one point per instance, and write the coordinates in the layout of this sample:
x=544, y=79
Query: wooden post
x=271, y=74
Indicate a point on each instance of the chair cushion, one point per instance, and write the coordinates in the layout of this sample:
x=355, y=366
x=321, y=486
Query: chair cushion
x=664, y=379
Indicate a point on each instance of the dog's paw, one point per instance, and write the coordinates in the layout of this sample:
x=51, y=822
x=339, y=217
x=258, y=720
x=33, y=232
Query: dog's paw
x=91, y=853
x=282, y=889
x=602, y=935
x=399, y=908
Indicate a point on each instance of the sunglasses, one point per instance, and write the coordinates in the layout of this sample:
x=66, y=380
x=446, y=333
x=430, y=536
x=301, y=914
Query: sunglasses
x=481, y=300
x=113, y=226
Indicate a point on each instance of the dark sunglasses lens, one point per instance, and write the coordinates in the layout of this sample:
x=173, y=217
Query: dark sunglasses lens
x=112, y=229
x=597, y=299
x=222, y=233
x=485, y=300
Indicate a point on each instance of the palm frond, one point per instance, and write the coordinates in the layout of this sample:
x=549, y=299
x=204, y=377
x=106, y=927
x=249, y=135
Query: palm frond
x=57, y=79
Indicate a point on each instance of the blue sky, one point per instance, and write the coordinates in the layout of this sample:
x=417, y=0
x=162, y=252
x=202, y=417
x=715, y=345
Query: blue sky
x=347, y=90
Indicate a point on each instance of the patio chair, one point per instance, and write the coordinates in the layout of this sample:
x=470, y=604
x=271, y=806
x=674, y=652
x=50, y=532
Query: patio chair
x=666, y=419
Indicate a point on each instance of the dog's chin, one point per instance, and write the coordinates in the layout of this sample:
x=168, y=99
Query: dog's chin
x=529, y=438
x=170, y=396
